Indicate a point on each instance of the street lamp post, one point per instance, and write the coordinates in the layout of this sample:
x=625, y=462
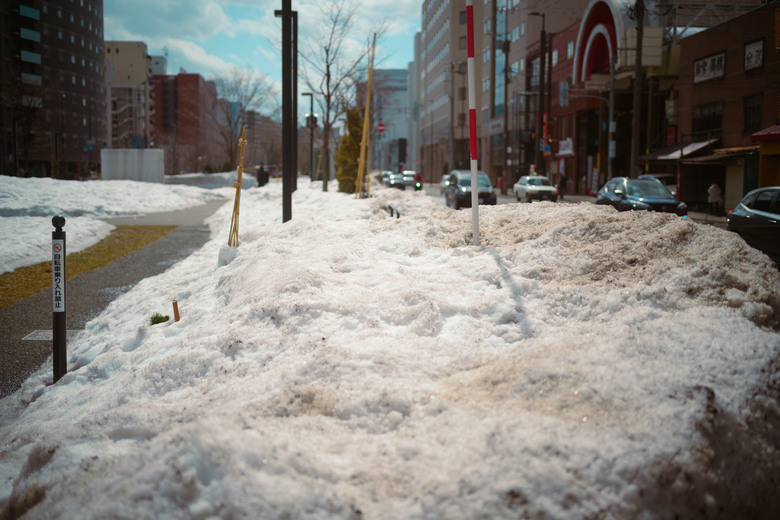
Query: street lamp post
x=311, y=123
x=540, y=166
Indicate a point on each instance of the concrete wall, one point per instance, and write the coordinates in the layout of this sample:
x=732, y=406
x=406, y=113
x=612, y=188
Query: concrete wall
x=147, y=165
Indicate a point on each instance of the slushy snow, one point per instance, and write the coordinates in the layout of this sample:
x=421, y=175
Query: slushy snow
x=579, y=363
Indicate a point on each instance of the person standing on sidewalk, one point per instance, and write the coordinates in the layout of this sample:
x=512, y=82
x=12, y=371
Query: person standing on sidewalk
x=713, y=199
x=261, y=175
x=562, y=185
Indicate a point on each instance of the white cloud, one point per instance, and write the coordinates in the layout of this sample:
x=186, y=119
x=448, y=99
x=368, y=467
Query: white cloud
x=148, y=19
x=206, y=64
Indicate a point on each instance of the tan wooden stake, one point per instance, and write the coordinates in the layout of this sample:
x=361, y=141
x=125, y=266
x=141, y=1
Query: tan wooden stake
x=233, y=237
x=361, y=187
x=175, y=310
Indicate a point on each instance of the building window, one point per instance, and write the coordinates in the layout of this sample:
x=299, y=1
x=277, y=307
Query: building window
x=522, y=28
x=707, y=121
x=751, y=114
x=29, y=12
x=570, y=50
x=555, y=57
x=461, y=119
x=28, y=34
x=462, y=93
x=464, y=18
x=32, y=79
x=463, y=42
x=31, y=57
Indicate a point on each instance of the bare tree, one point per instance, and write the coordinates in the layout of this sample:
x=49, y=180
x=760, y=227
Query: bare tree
x=332, y=63
x=242, y=91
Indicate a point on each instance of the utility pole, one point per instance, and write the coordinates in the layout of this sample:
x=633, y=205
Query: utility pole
x=311, y=122
x=507, y=148
x=540, y=166
x=288, y=106
x=638, y=14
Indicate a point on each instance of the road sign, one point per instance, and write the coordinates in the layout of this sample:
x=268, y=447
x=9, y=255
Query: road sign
x=380, y=128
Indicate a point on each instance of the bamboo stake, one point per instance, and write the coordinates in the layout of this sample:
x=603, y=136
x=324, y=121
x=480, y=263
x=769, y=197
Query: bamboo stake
x=363, y=161
x=233, y=237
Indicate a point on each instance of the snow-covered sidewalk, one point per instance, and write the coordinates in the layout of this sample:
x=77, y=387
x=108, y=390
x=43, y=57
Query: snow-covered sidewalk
x=580, y=363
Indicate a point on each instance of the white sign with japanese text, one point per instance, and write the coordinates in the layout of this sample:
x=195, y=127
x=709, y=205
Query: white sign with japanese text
x=709, y=68
x=754, y=55
x=58, y=275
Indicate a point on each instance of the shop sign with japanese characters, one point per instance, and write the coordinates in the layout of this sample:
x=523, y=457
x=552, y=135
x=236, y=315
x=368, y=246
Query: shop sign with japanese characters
x=754, y=55
x=709, y=68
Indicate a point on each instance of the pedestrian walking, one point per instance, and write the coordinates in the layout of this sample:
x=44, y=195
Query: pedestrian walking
x=562, y=185
x=713, y=199
x=261, y=175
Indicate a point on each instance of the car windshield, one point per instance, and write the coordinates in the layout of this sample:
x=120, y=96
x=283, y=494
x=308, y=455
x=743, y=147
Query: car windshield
x=637, y=188
x=482, y=179
x=539, y=181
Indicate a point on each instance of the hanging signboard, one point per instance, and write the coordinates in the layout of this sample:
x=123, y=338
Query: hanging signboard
x=754, y=55
x=709, y=68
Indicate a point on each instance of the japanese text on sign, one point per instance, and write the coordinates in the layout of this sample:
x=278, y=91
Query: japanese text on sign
x=709, y=68
x=57, y=272
x=754, y=55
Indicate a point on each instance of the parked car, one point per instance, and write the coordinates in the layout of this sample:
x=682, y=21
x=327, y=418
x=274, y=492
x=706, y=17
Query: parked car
x=396, y=180
x=640, y=194
x=445, y=181
x=408, y=178
x=667, y=179
x=757, y=220
x=386, y=175
x=458, y=192
x=531, y=187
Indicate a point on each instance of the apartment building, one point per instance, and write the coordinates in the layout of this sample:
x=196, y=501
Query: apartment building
x=184, y=120
x=391, y=108
x=128, y=85
x=52, y=116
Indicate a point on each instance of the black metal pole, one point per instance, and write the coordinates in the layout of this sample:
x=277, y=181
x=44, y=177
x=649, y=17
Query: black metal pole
x=287, y=109
x=58, y=279
x=295, y=98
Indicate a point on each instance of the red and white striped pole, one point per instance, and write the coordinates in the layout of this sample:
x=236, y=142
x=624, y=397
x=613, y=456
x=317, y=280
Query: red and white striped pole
x=472, y=124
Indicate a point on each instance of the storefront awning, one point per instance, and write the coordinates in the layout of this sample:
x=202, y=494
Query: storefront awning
x=679, y=151
x=722, y=154
x=767, y=134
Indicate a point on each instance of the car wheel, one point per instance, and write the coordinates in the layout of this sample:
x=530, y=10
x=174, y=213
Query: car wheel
x=554, y=199
x=528, y=198
x=518, y=196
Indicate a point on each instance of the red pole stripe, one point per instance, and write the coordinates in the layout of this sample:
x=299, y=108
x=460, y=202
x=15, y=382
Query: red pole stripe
x=473, y=132
x=470, y=28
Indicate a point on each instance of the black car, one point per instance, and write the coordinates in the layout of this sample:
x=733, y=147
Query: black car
x=757, y=220
x=457, y=194
x=640, y=194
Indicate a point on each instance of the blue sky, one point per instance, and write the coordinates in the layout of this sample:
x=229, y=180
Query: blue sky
x=210, y=36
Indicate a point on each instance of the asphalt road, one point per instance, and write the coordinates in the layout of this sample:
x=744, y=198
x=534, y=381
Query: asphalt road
x=90, y=293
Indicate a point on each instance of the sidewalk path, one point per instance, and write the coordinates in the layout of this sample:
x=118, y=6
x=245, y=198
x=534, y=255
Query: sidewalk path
x=90, y=292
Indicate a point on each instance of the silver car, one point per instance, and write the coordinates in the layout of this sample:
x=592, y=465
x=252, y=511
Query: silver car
x=531, y=187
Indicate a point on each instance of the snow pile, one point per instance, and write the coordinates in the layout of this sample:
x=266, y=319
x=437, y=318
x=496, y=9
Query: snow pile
x=28, y=205
x=580, y=363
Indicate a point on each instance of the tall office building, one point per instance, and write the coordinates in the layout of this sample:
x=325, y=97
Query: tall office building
x=52, y=116
x=443, y=108
x=391, y=108
x=128, y=83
